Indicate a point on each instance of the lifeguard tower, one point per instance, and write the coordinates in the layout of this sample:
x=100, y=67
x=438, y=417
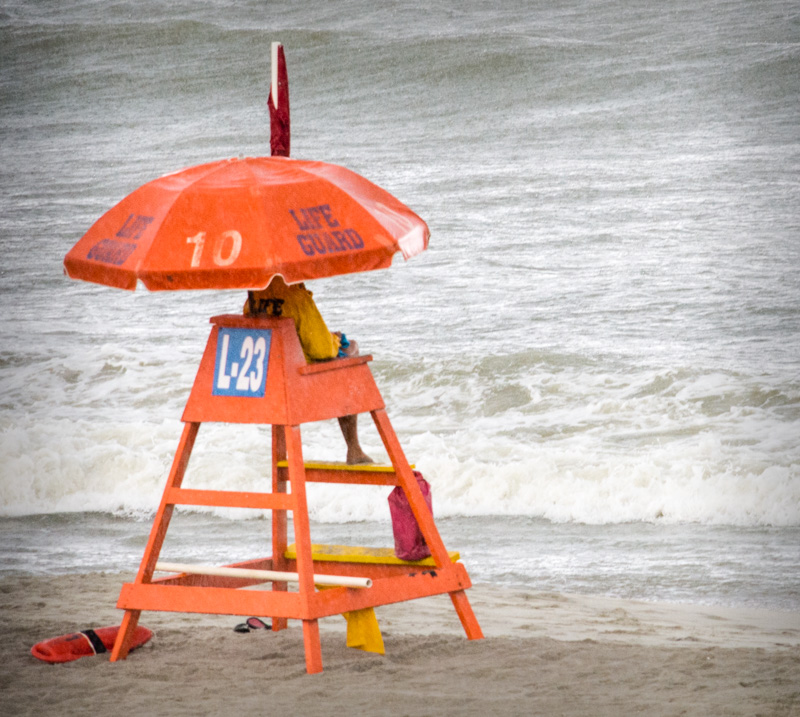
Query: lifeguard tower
x=253, y=371
x=233, y=224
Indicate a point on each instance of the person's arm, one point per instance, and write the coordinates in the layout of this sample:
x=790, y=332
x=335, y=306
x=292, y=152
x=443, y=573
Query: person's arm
x=318, y=343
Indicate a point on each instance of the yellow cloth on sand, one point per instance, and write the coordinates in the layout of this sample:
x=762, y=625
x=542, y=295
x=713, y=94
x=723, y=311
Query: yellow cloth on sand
x=297, y=302
x=363, y=631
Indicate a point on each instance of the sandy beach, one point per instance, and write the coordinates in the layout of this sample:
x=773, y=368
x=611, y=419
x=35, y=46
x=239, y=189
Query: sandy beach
x=544, y=654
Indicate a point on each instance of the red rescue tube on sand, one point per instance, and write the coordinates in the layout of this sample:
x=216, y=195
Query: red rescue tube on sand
x=75, y=645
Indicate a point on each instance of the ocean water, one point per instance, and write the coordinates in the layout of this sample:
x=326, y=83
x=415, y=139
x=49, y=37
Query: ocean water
x=596, y=364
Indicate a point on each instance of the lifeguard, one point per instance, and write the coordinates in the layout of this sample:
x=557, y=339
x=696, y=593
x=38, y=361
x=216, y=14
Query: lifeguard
x=296, y=302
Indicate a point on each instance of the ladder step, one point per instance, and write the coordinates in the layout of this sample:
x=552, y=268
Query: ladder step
x=360, y=473
x=230, y=499
x=357, y=554
x=209, y=600
x=352, y=467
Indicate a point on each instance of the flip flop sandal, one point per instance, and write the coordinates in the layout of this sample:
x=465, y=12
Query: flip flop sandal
x=256, y=623
x=241, y=627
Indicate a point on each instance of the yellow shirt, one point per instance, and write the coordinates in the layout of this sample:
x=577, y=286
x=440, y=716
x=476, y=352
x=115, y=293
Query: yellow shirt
x=297, y=302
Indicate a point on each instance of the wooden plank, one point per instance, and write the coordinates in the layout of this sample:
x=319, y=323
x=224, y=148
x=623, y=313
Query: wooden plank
x=338, y=466
x=230, y=499
x=387, y=591
x=359, y=474
x=333, y=364
x=213, y=601
x=358, y=554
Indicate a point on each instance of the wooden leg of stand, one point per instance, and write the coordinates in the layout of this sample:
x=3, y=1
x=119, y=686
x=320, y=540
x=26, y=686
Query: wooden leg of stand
x=468, y=620
x=122, y=644
x=424, y=519
x=164, y=512
x=312, y=645
x=157, y=535
x=302, y=538
x=279, y=519
x=411, y=488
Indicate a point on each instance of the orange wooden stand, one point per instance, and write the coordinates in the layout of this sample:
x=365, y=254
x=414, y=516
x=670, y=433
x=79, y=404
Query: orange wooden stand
x=280, y=389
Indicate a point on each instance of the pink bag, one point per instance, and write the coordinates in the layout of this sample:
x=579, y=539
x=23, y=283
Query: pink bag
x=408, y=541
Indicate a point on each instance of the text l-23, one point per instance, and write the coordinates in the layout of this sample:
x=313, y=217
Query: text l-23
x=242, y=360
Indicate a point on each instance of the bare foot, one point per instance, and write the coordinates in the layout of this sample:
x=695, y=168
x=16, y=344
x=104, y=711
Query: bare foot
x=352, y=349
x=358, y=458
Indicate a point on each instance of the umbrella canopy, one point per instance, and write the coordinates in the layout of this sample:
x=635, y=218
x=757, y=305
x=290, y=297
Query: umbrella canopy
x=236, y=223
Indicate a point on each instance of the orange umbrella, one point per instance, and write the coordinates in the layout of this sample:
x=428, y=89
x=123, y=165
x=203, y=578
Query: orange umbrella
x=236, y=223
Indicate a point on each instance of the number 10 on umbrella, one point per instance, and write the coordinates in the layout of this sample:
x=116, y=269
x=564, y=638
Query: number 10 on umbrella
x=242, y=360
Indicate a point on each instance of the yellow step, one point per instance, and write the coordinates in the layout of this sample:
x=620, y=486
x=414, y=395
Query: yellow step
x=337, y=466
x=356, y=554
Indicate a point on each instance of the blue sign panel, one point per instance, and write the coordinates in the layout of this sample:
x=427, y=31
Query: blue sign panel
x=242, y=360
